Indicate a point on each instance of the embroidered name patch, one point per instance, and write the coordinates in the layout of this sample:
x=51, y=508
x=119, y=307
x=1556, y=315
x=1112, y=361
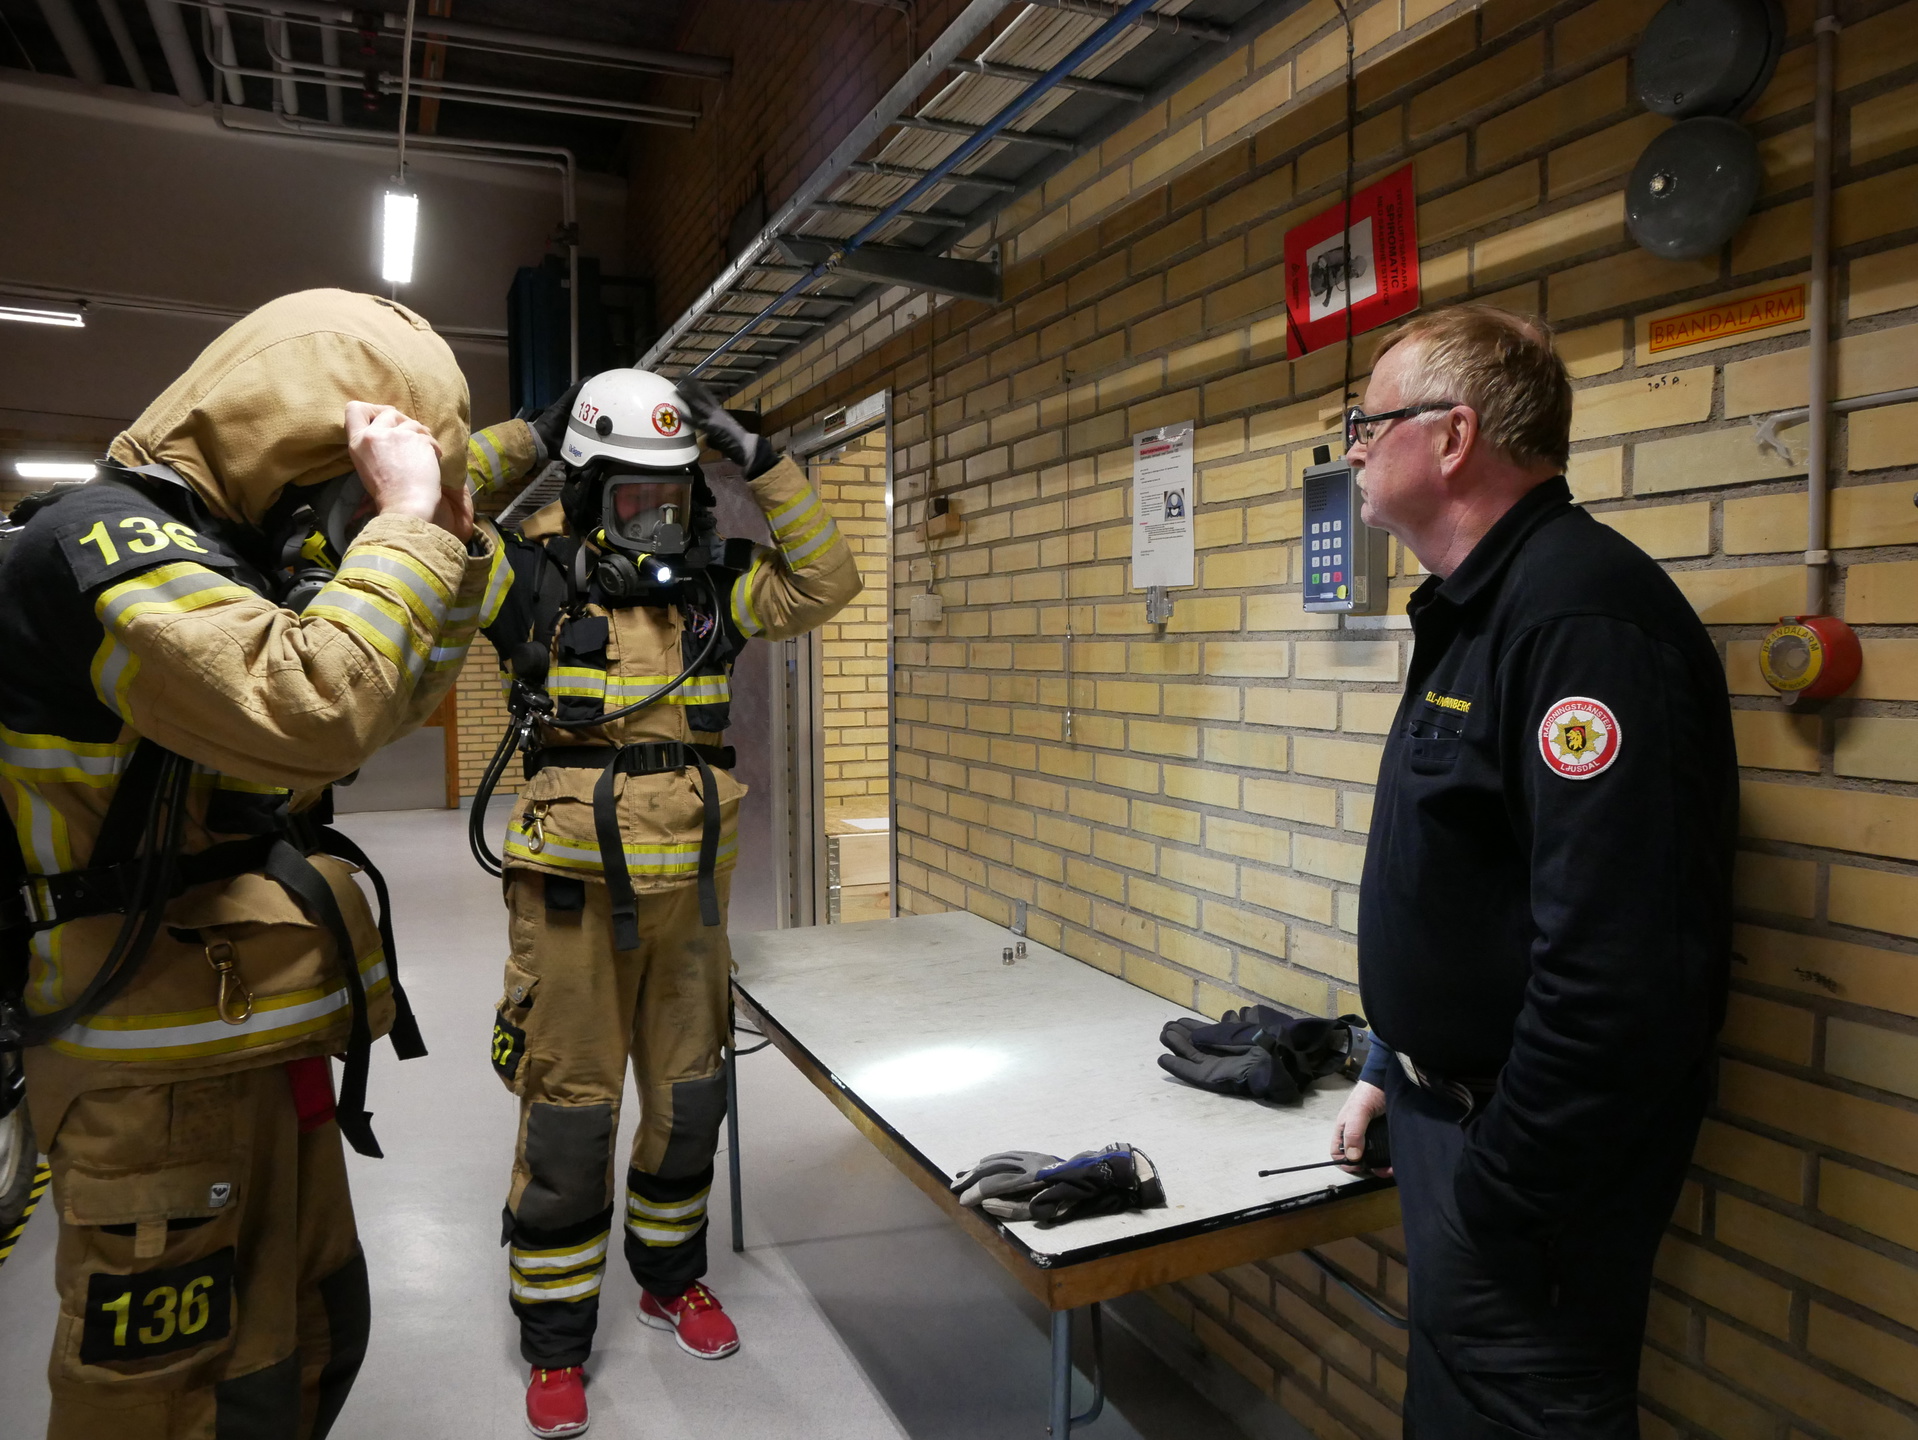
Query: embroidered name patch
x=1579, y=737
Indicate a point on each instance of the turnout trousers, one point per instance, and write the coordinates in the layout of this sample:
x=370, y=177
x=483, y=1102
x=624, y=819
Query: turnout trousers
x=211, y=1280
x=1512, y=1338
x=574, y=1011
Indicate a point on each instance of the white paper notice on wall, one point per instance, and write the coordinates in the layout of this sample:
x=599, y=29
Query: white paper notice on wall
x=1162, y=498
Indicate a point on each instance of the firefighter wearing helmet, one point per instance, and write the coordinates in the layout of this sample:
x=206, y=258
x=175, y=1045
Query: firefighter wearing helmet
x=620, y=631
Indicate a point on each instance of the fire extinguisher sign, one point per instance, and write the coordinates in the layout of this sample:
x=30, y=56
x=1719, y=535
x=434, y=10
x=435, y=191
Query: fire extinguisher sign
x=1378, y=277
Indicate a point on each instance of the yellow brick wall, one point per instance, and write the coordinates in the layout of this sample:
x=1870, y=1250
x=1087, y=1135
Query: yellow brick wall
x=852, y=482
x=1201, y=830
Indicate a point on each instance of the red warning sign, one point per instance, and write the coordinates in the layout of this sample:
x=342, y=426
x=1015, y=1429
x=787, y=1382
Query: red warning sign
x=1379, y=278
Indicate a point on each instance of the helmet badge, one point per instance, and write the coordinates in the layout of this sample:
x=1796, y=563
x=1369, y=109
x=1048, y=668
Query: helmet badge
x=666, y=419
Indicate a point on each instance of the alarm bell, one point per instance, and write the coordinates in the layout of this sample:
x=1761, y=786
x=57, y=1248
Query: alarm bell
x=1809, y=657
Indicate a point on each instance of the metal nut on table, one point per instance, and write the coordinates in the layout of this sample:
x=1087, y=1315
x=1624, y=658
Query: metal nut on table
x=1006, y=957
x=1019, y=951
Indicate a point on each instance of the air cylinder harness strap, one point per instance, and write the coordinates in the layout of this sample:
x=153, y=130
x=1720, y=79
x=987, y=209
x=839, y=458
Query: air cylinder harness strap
x=652, y=757
x=137, y=868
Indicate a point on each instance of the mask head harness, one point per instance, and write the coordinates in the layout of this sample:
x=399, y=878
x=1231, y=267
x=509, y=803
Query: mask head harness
x=307, y=532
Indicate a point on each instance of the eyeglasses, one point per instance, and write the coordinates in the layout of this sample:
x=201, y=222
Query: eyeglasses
x=1363, y=429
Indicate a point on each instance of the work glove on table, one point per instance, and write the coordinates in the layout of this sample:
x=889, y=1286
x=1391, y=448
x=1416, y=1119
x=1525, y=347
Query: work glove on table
x=1258, y=1051
x=1025, y=1185
x=753, y=454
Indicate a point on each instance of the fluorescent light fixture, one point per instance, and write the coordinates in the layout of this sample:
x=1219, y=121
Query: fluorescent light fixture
x=72, y=314
x=401, y=225
x=53, y=469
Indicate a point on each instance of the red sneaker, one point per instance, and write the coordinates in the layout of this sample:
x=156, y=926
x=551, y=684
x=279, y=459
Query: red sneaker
x=556, y=1402
x=698, y=1323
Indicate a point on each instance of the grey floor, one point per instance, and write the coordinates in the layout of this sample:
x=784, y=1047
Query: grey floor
x=863, y=1312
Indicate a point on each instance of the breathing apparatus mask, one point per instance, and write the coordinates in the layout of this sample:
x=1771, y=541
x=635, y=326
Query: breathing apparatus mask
x=651, y=529
x=308, y=531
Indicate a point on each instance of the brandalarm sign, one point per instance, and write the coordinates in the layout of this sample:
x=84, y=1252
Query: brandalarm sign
x=1734, y=317
x=1379, y=278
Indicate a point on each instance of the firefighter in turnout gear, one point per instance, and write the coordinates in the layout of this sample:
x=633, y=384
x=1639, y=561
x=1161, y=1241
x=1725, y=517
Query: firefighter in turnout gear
x=274, y=573
x=626, y=613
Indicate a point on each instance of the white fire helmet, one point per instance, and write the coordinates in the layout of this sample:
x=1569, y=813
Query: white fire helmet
x=632, y=418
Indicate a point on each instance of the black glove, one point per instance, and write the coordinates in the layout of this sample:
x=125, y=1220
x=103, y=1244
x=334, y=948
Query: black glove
x=1230, y=1058
x=1258, y=1051
x=753, y=454
x=1097, y=1182
x=1002, y=1184
x=549, y=426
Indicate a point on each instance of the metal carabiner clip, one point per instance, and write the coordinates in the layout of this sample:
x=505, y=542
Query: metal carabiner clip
x=226, y=964
x=535, y=830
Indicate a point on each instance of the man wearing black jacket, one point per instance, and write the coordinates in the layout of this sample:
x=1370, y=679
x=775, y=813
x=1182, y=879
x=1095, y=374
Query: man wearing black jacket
x=1544, y=932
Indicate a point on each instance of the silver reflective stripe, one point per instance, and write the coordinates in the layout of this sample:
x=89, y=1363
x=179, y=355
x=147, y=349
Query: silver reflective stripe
x=825, y=537
x=642, y=1208
x=131, y=594
x=586, y=1285
x=41, y=761
x=628, y=442
x=431, y=602
x=528, y=1260
x=395, y=632
x=262, y=1022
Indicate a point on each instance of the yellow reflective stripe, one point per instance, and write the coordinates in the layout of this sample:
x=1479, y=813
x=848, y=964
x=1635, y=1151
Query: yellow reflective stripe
x=419, y=588
x=573, y=1257
x=484, y=467
x=499, y=581
x=801, y=548
x=188, y=1034
x=744, y=615
x=643, y=1208
x=168, y=590
x=380, y=623
x=584, y=682
x=647, y=861
x=113, y=672
x=46, y=759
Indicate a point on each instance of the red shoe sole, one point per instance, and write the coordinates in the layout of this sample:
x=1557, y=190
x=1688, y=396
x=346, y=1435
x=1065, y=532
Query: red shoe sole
x=562, y=1432
x=660, y=1323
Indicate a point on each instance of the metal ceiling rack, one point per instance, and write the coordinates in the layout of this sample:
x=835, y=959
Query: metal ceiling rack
x=890, y=203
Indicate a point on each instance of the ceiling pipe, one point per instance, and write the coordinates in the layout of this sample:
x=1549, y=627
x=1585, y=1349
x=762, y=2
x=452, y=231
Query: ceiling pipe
x=1131, y=94
x=170, y=26
x=136, y=68
x=330, y=57
x=1147, y=20
x=665, y=62
x=71, y=36
x=637, y=110
x=1818, y=440
x=276, y=29
x=228, y=63
x=984, y=136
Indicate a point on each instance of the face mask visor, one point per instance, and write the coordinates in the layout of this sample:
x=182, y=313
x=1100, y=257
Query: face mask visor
x=341, y=508
x=647, y=515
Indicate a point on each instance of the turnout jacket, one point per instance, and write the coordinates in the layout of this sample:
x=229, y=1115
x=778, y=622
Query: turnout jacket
x=132, y=607
x=1547, y=887
x=606, y=657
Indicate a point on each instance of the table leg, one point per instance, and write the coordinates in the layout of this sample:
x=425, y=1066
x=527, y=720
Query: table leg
x=1059, y=1413
x=1060, y=1421
x=732, y=1142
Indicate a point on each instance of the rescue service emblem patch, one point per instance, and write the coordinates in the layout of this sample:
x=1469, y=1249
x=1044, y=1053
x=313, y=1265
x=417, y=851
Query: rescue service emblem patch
x=666, y=420
x=1579, y=737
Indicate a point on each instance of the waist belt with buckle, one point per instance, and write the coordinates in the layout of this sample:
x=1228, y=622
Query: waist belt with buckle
x=650, y=757
x=1471, y=1093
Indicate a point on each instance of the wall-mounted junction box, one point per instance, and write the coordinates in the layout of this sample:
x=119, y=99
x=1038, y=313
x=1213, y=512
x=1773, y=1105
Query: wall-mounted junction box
x=1345, y=559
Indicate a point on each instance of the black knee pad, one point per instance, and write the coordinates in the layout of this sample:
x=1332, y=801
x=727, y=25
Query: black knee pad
x=568, y=1154
x=699, y=1108
x=349, y=1321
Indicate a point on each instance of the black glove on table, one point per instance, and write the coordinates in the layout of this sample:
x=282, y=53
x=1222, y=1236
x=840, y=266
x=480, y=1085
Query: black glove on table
x=1026, y=1185
x=1257, y=1051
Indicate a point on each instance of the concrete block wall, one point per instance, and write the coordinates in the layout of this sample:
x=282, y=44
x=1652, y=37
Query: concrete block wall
x=1200, y=832
x=851, y=482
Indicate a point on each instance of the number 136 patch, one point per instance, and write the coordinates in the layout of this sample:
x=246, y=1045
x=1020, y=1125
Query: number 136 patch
x=153, y=1313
